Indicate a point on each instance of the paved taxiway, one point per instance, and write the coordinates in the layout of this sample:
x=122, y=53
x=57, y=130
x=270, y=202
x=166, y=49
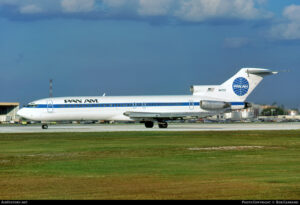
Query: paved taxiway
x=141, y=127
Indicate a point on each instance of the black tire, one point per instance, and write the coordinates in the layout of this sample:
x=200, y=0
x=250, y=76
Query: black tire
x=162, y=124
x=149, y=124
x=44, y=127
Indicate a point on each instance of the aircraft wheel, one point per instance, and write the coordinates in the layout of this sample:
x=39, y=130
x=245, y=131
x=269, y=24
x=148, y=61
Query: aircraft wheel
x=149, y=124
x=162, y=124
x=44, y=126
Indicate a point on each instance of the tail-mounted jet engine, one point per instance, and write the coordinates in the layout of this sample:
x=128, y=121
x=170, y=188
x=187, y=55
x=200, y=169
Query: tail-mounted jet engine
x=219, y=105
x=213, y=105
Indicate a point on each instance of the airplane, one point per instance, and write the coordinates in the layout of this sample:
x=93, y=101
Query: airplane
x=205, y=100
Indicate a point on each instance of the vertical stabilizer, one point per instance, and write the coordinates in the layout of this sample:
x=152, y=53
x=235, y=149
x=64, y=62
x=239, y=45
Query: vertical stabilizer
x=240, y=86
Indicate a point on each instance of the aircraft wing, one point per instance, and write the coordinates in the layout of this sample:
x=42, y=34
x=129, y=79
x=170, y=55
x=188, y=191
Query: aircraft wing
x=164, y=115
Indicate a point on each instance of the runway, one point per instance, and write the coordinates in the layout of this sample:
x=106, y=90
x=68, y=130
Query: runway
x=140, y=127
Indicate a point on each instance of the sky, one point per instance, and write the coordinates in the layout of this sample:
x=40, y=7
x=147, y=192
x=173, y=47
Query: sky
x=146, y=47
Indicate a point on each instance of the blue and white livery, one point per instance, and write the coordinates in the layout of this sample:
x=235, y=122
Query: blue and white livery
x=205, y=101
x=240, y=86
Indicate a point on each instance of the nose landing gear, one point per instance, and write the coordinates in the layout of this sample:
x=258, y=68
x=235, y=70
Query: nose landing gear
x=44, y=126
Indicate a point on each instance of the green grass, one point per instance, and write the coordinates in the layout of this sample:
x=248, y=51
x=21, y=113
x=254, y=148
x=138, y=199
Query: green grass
x=150, y=165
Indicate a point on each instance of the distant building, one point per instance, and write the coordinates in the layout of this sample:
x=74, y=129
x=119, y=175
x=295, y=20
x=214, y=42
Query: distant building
x=267, y=106
x=8, y=111
x=238, y=115
x=254, y=113
x=293, y=112
x=248, y=113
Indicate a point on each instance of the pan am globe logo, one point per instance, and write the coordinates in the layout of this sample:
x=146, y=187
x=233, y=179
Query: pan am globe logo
x=240, y=86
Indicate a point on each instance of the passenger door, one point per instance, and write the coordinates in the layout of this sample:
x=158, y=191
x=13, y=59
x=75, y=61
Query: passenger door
x=191, y=105
x=49, y=106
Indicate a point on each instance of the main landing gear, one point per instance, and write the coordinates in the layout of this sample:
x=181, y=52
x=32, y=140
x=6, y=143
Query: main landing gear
x=150, y=124
x=162, y=124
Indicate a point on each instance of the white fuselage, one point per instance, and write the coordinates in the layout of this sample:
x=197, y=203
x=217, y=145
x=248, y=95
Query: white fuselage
x=110, y=108
x=206, y=101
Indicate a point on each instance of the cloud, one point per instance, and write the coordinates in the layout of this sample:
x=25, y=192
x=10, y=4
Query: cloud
x=190, y=11
x=9, y=2
x=115, y=3
x=200, y=10
x=30, y=9
x=154, y=7
x=27, y=7
x=290, y=28
x=194, y=10
x=77, y=5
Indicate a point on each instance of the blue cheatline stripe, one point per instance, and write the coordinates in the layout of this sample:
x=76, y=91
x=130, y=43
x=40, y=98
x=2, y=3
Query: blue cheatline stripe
x=115, y=105
x=237, y=103
x=152, y=104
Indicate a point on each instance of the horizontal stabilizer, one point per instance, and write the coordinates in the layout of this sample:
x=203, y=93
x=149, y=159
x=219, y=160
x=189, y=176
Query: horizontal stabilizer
x=260, y=71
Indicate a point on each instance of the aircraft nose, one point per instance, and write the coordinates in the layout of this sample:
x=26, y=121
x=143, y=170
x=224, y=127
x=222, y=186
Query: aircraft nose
x=21, y=113
x=29, y=114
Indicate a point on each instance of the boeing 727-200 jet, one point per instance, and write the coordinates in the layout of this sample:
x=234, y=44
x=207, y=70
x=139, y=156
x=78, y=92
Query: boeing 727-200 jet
x=206, y=100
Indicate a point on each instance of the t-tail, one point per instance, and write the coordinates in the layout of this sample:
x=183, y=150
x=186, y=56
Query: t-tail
x=242, y=84
x=236, y=89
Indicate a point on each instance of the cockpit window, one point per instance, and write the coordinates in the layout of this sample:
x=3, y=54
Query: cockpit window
x=31, y=105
